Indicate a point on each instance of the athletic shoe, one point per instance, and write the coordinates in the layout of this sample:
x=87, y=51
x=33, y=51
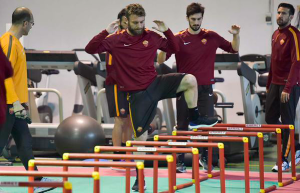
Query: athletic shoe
x=135, y=186
x=180, y=168
x=45, y=189
x=297, y=158
x=285, y=167
x=203, y=163
x=203, y=121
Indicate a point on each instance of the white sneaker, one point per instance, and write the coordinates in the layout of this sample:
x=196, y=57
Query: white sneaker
x=297, y=158
x=285, y=167
x=45, y=189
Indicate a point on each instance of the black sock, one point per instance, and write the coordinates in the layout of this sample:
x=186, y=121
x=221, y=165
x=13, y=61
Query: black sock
x=181, y=158
x=123, y=144
x=137, y=174
x=193, y=114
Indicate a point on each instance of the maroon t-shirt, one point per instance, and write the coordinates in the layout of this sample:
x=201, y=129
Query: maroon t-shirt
x=6, y=71
x=197, y=54
x=285, y=58
x=133, y=56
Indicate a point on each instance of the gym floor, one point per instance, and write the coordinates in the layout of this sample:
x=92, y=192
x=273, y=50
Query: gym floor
x=109, y=178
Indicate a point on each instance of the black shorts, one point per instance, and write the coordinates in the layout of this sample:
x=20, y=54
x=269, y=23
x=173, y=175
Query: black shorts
x=117, y=101
x=205, y=106
x=143, y=104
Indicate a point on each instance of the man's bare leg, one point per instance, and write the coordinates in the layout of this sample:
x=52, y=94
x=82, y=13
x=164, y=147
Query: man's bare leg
x=117, y=131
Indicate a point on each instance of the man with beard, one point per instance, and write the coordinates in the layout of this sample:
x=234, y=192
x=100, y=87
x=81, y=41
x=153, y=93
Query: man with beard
x=283, y=89
x=197, y=57
x=134, y=51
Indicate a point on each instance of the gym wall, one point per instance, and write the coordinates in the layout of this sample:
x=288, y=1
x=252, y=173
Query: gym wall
x=69, y=24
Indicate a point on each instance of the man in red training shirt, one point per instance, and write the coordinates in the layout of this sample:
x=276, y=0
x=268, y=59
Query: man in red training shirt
x=197, y=55
x=134, y=50
x=283, y=89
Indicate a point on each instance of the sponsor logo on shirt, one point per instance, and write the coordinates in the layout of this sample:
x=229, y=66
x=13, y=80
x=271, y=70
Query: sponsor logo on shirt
x=204, y=41
x=281, y=41
x=186, y=43
x=127, y=45
x=145, y=43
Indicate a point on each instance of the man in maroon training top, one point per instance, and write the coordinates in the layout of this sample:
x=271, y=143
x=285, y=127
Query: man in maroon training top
x=134, y=51
x=283, y=89
x=197, y=57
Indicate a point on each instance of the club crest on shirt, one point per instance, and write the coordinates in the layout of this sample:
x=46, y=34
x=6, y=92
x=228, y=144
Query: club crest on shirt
x=139, y=129
x=122, y=111
x=281, y=41
x=145, y=43
x=204, y=41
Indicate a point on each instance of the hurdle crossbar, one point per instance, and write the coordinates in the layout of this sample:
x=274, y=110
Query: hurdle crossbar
x=32, y=174
x=66, y=164
x=240, y=134
x=194, y=151
x=189, y=144
x=292, y=140
x=244, y=140
x=267, y=129
x=67, y=186
x=168, y=158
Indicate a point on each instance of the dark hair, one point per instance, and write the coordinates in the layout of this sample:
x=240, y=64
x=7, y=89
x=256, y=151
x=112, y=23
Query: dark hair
x=21, y=14
x=289, y=6
x=121, y=14
x=194, y=8
x=135, y=9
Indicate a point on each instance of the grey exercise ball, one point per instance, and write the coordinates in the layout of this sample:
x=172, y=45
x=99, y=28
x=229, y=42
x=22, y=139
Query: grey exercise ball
x=78, y=134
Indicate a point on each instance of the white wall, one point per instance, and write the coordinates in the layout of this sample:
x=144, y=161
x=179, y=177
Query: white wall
x=68, y=24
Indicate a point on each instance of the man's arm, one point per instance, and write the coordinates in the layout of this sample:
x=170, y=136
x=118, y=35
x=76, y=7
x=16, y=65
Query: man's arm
x=96, y=45
x=235, y=31
x=170, y=44
x=295, y=68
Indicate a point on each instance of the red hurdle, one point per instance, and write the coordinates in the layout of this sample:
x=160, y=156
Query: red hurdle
x=292, y=139
x=268, y=129
x=194, y=152
x=167, y=158
x=67, y=186
x=241, y=134
x=189, y=144
x=95, y=175
x=218, y=139
x=32, y=174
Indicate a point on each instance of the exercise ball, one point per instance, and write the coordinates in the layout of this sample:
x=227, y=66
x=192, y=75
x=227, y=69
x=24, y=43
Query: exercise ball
x=78, y=134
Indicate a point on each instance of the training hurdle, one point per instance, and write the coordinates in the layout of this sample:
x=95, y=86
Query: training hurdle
x=188, y=144
x=66, y=164
x=168, y=158
x=67, y=186
x=32, y=174
x=269, y=129
x=240, y=134
x=244, y=140
x=194, y=151
x=292, y=140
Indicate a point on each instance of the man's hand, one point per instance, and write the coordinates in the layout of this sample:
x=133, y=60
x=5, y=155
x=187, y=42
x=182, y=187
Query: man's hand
x=161, y=26
x=235, y=30
x=19, y=110
x=285, y=97
x=111, y=28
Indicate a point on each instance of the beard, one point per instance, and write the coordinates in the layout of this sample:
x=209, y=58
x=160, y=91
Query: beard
x=195, y=27
x=282, y=23
x=135, y=32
